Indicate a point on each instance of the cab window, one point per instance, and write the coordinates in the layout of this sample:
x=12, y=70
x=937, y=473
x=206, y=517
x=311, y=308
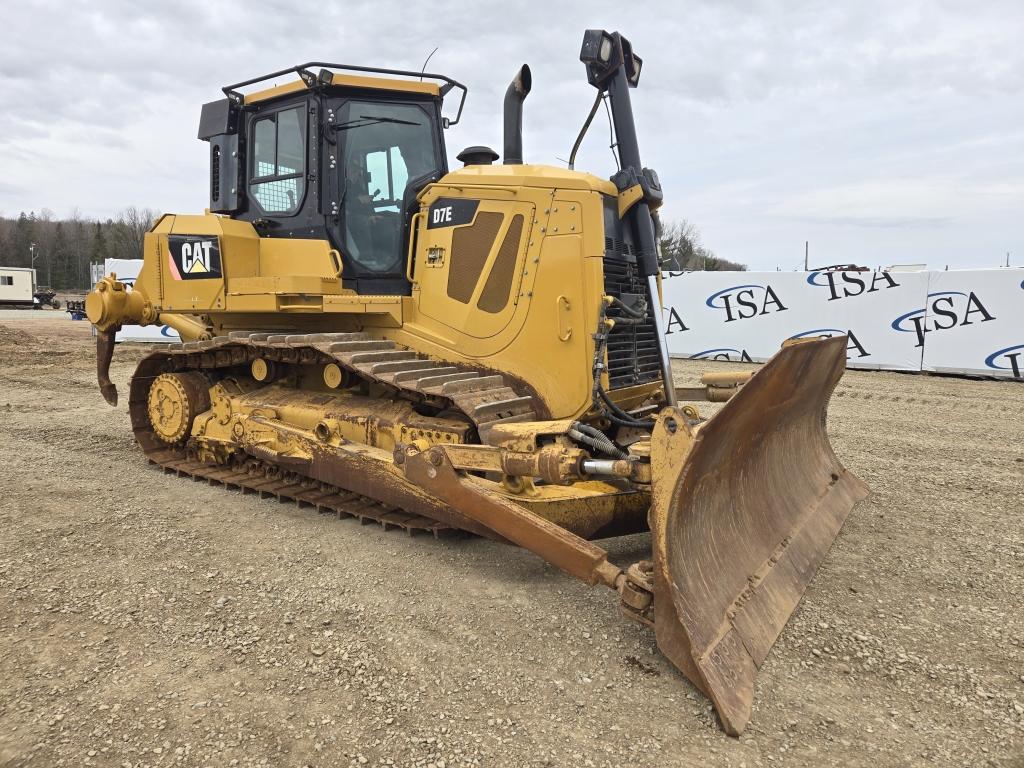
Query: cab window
x=279, y=160
x=387, y=177
x=384, y=146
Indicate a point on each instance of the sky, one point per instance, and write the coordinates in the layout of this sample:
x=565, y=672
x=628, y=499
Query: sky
x=878, y=132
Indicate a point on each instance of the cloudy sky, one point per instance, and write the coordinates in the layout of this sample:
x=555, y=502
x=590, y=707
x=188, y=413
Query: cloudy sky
x=881, y=132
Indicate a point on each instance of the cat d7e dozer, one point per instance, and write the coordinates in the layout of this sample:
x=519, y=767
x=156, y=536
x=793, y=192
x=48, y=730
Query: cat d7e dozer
x=370, y=333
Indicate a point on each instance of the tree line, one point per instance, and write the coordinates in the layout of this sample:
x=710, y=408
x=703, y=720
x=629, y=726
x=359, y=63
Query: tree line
x=61, y=250
x=681, y=241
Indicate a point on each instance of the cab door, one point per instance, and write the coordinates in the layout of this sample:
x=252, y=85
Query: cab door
x=469, y=261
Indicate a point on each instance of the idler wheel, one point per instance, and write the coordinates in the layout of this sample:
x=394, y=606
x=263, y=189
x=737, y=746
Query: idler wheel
x=175, y=399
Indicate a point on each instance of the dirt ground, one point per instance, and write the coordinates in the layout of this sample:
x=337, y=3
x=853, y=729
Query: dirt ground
x=147, y=620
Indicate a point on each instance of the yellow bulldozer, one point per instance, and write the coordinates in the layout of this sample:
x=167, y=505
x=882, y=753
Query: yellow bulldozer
x=370, y=333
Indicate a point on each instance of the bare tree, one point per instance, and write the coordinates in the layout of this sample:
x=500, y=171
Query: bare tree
x=681, y=244
x=79, y=244
x=45, y=235
x=128, y=231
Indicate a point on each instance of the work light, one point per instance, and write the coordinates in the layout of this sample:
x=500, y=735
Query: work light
x=603, y=52
x=598, y=47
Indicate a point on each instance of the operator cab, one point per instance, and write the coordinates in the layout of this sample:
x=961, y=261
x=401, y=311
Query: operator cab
x=332, y=156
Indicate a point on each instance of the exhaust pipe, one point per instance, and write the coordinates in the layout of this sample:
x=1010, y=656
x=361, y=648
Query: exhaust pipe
x=514, y=97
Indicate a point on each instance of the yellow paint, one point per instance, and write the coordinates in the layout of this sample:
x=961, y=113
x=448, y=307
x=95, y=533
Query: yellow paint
x=284, y=284
x=542, y=335
x=291, y=422
x=347, y=81
x=384, y=83
x=628, y=198
x=274, y=92
x=287, y=257
x=512, y=177
x=386, y=311
x=333, y=375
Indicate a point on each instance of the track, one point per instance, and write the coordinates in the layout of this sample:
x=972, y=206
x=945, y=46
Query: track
x=485, y=398
x=260, y=477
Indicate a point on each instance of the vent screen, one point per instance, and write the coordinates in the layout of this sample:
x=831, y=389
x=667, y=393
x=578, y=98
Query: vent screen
x=215, y=174
x=470, y=247
x=495, y=295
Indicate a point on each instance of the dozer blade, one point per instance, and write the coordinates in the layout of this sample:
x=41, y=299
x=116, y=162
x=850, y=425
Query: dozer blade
x=744, y=508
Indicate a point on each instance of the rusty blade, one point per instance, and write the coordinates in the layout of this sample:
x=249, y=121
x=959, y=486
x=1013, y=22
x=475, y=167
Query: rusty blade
x=743, y=511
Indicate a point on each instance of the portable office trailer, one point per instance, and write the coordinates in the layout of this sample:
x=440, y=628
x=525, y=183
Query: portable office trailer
x=17, y=286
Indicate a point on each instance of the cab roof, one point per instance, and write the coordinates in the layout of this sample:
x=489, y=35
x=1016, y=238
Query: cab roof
x=350, y=76
x=349, y=81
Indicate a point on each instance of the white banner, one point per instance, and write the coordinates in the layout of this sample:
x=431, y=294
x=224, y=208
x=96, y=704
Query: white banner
x=127, y=270
x=892, y=319
x=974, y=322
x=747, y=315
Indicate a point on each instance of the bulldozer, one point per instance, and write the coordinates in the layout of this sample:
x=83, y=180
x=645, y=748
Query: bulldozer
x=482, y=349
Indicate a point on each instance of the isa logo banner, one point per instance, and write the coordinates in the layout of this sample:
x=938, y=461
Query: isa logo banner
x=968, y=321
x=974, y=323
x=748, y=315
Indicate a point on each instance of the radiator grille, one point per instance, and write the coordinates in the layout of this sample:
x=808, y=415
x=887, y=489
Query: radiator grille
x=633, y=352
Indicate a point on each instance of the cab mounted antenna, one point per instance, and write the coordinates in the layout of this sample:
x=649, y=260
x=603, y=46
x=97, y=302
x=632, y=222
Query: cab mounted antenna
x=427, y=61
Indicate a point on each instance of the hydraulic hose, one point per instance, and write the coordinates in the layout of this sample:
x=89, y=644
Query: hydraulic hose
x=601, y=401
x=596, y=439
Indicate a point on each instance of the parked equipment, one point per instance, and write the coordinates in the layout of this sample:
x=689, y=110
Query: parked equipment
x=376, y=335
x=46, y=297
x=18, y=289
x=76, y=309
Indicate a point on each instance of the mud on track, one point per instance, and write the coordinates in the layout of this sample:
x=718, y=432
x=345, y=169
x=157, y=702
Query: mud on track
x=150, y=620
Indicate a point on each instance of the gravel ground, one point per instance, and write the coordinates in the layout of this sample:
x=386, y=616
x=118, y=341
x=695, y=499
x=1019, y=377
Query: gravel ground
x=152, y=621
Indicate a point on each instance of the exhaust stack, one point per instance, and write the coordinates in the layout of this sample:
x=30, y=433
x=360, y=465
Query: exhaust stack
x=517, y=91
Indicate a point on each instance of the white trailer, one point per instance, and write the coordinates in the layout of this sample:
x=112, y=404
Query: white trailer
x=17, y=286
